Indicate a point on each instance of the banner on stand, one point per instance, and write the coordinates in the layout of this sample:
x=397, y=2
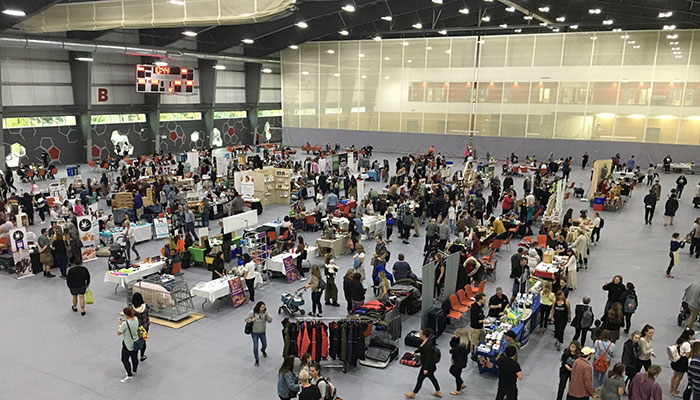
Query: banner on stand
x=342, y=163
x=193, y=160
x=20, y=253
x=222, y=163
x=336, y=163
x=237, y=293
x=290, y=269
x=352, y=163
x=86, y=230
x=160, y=225
x=244, y=183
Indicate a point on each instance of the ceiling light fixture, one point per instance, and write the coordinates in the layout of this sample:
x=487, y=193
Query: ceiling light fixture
x=631, y=42
x=442, y=32
x=503, y=26
x=177, y=2
x=488, y=1
x=14, y=13
x=679, y=56
x=405, y=43
x=387, y=18
x=348, y=8
x=189, y=33
x=344, y=32
x=617, y=30
x=573, y=27
x=161, y=63
x=636, y=46
x=377, y=38
x=387, y=58
x=464, y=11
x=266, y=71
x=386, y=77
x=302, y=25
x=669, y=27
x=543, y=24
x=555, y=30
x=486, y=18
x=510, y=9
x=417, y=25
x=85, y=59
x=594, y=11
x=361, y=55
x=624, y=36
x=666, y=14
x=544, y=9
x=527, y=17
x=304, y=72
x=336, y=75
x=437, y=1
x=293, y=47
x=428, y=47
x=608, y=22
x=330, y=51
x=518, y=30
x=248, y=41
x=561, y=19
x=409, y=61
x=448, y=51
x=219, y=67
x=364, y=77
x=674, y=36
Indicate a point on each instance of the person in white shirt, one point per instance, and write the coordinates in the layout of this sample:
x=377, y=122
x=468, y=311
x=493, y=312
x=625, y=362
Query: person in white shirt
x=571, y=269
x=595, y=234
x=249, y=275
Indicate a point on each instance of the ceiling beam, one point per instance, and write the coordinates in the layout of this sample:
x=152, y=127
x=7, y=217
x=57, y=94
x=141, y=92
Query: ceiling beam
x=29, y=7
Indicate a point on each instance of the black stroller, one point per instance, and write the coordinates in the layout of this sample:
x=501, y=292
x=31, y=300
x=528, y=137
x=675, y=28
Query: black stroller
x=117, y=254
x=683, y=314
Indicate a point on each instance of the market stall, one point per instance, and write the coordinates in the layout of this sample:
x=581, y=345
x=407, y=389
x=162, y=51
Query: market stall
x=336, y=245
x=276, y=263
x=212, y=290
x=122, y=277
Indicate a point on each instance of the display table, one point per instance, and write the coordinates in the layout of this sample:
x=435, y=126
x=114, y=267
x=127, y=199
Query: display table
x=277, y=225
x=621, y=175
x=125, y=275
x=341, y=222
x=142, y=233
x=337, y=246
x=373, y=225
x=276, y=263
x=218, y=288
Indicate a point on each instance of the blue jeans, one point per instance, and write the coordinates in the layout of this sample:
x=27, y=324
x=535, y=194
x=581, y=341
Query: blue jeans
x=598, y=378
x=262, y=338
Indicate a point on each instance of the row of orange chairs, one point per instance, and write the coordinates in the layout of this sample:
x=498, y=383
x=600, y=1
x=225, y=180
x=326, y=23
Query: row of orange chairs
x=462, y=301
x=541, y=240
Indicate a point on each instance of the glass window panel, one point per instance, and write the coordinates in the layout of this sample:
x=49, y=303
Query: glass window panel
x=390, y=122
x=458, y=124
x=635, y=93
x=434, y=123
x=520, y=50
x=487, y=124
x=578, y=48
x=460, y=92
x=603, y=126
x=548, y=50
x=604, y=93
x=411, y=122
x=513, y=125
x=349, y=76
x=689, y=131
x=440, y=54
x=573, y=92
x=290, y=82
x=630, y=128
x=369, y=82
x=666, y=94
x=415, y=53
x=607, y=49
x=540, y=126
x=491, y=92
x=676, y=53
x=436, y=92
x=543, y=93
x=573, y=126
x=640, y=47
x=493, y=50
x=662, y=130
x=516, y=92
x=464, y=52
x=692, y=94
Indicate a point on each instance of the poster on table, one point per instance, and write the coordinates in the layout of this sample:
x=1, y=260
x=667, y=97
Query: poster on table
x=289, y=269
x=193, y=160
x=244, y=183
x=87, y=237
x=160, y=226
x=20, y=253
x=310, y=192
x=237, y=294
x=342, y=163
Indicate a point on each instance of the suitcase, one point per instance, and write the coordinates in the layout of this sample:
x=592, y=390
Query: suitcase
x=413, y=339
x=437, y=320
x=382, y=352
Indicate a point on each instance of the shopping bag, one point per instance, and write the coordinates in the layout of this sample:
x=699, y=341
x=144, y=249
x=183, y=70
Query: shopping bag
x=88, y=297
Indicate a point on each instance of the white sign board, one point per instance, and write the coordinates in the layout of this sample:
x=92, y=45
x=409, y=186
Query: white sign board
x=240, y=221
x=193, y=160
x=243, y=177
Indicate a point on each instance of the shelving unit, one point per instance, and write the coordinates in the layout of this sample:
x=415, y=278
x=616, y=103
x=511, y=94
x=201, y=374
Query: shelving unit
x=272, y=185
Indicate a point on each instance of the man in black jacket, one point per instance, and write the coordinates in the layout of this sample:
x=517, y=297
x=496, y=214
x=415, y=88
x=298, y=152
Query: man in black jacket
x=516, y=269
x=649, y=207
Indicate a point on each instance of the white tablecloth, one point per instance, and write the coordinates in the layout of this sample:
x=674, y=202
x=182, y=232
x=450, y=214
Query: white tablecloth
x=374, y=225
x=138, y=273
x=342, y=222
x=276, y=263
x=142, y=233
x=218, y=288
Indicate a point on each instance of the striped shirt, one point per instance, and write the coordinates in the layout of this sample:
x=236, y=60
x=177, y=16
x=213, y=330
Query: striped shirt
x=694, y=374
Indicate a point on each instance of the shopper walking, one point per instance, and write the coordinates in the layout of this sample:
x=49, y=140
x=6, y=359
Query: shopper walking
x=287, y=382
x=670, y=209
x=583, y=319
x=358, y=260
x=561, y=314
x=694, y=371
x=129, y=331
x=60, y=253
x=302, y=254
x=509, y=374
x=649, y=207
x=259, y=318
x=630, y=355
x=581, y=384
x=630, y=303
x=644, y=385
x=477, y=318
x=691, y=297
x=143, y=314
x=597, y=226
x=249, y=268
x=568, y=356
x=316, y=285
x=347, y=283
x=646, y=348
x=546, y=301
x=428, y=367
x=613, y=321
x=694, y=236
x=130, y=241
x=679, y=363
x=44, y=247
x=78, y=281
x=459, y=348
x=674, y=249
x=613, y=383
x=681, y=181
x=604, y=349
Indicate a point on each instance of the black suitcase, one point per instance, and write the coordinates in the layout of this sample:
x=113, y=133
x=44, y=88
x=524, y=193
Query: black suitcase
x=437, y=320
x=413, y=339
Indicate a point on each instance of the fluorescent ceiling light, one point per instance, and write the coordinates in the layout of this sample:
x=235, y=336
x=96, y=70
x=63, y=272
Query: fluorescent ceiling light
x=464, y=11
x=85, y=59
x=363, y=76
x=543, y=24
x=510, y=9
x=555, y=30
x=665, y=15
x=488, y=1
x=266, y=71
x=617, y=30
x=405, y=43
x=344, y=32
x=608, y=22
x=442, y=32
x=409, y=61
x=14, y=13
x=624, y=36
x=348, y=8
x=448, y=51
x=694, y=118
x=428, y=47
x=377, y=38
x=437, y=1
x=631, y=41
x=161, y=63
x=361, y=55
x=189, y=33
x=561, y=19
x=293, y=47
x=417, y=25
x=594, y=37
x=330, y=51
x=386, y=77
x=544, y=9
x=248, y=41
x=678, y=56
x=219, y=67
x=302, y=25
x=527, y=17
x=669, y=27
x=667, y=117
x=518, y=30
x=637, y=116
x=336, y=75
x=387, y=58
x=177, y=2
x=636, y=46
x=573, y=27
x=387, y=18
x=304, y=72
x=594, y=10
x=486, y=18
x=674, y=36
x=503, y=25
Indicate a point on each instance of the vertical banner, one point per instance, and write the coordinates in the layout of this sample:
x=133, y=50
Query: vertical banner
x=222, y=164
x=237, y=293
x=160, y=226
x=342, y=163
x=360, y=189
x=193, y=160
x=244, y=183
x=20, y=253
x=290, y=269
x=322, y=165
x=336, y=163
x=85, y=230
x=352, y=163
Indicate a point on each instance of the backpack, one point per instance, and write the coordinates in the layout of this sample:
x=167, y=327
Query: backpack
x=331, y=392
x=602, y=223
x=586, y=318
x=673, y=353
x=437, y=355
x=601, y=363
x=322, y=284
x=630, y=305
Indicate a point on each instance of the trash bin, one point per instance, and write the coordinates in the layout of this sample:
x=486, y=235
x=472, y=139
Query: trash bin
x=70, y=171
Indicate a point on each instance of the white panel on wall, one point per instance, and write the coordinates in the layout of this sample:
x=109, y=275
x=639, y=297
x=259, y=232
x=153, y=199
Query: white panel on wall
x=230, y=79
x=44, y=55
x=118, y=95
x=271, y=81
x=18, y=95
x=113, y=73
x=230, y=96
x=176, y=99
x=270, y=96
x=32, y=72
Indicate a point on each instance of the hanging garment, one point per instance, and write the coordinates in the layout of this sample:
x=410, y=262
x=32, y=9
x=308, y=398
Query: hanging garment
x=344, y=341
x=324, y=341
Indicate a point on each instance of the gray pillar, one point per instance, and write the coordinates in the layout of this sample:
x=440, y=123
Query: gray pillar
x=428, y=278
x=153, y=120
x=81, y=82
x=253, y=78
x=252, y=115
x=207, y=96
x=451, y=269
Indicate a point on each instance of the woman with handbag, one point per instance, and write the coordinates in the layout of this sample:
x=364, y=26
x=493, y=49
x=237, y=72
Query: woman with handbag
x=129, y=331
x=680, y=365
x=143, y=314
x=256, y=325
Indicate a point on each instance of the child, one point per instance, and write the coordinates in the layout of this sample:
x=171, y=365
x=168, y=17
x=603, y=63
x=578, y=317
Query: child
x=595, y=332
x=331, y=289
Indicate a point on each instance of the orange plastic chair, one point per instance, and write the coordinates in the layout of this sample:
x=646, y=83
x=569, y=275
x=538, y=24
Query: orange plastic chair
x=527, y=239
x=42, y=173
x=271, y=236
x=541, y=240
x=310, y=221
x=105, y=166
x=469, y=292
x=463, y=298
x=510, y=236
x=92, y=164
x=481, y=287
x=488, y=259
x=454, y=302
x=176, y=268
x=454, y=314
x=284, y=235
x=30, y=174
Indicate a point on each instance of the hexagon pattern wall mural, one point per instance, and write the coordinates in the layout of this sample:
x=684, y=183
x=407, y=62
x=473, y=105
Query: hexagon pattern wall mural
x=234, y=131
x=59, y=142
x=137, y=133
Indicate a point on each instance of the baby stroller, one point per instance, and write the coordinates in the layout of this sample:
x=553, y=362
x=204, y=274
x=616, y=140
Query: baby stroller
x=117, y=255
x=684, y=313
x=292, y=302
